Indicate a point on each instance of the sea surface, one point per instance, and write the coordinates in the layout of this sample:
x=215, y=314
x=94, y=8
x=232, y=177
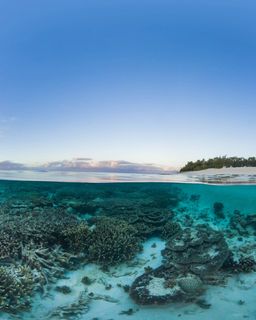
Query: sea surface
x=155, y=250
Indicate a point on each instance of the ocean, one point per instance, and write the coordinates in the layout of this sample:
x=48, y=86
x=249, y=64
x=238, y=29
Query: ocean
x=155, y=250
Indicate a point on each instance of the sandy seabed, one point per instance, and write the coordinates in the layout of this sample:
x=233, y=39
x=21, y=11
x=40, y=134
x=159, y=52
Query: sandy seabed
x=235, y=300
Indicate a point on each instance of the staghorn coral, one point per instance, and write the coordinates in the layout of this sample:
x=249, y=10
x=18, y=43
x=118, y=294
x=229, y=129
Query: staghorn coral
x=73, y=310
x=48, y=264
x=76, y=238
x=16, y=288
x=10, y=246
x=113, y=241
x=49, y=227
x=201, y=251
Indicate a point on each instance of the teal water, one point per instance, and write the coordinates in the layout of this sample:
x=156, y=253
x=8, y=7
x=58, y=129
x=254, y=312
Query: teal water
x=174, y=245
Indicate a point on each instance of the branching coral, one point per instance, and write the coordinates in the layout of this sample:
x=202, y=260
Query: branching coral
x=10, y=246
x=16, y=287
x=113, y=241
x=48, y=227
x=73, y=310
x=48, y=263
x=76, y=237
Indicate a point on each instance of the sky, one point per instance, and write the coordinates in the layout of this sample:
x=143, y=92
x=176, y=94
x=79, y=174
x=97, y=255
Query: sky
x=158, y=81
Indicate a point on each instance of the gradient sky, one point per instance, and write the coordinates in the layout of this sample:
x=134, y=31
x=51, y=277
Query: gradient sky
x=144, y=81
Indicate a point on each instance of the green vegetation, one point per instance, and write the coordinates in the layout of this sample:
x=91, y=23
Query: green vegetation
x=219, y=162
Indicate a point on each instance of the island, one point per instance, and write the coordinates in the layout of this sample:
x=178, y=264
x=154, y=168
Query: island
x=219, y=162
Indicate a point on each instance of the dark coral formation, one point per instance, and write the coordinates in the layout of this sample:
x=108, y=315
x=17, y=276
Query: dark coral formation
x=242, y=265
x=165, y=285
x=132, y=201
x=113, y=241
x=244, y=225
x=170, y=229
x=218, y=208
x=191, y=258
x=152, y=222
x=201, y=251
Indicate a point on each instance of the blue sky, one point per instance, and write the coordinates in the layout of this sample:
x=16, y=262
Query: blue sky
x=143, y=81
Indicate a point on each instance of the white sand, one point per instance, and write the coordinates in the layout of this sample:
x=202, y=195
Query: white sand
x=227, y=171
x=243, y=175
x=235, y=301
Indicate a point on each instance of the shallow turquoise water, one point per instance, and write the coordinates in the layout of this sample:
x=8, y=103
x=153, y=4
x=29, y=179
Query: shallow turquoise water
x=28, y=211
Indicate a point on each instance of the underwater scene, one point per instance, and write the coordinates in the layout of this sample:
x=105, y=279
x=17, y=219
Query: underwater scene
x=109, y=251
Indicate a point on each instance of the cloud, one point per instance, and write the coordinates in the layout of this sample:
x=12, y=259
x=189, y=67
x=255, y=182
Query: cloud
x=89, y=165
x=9, y=165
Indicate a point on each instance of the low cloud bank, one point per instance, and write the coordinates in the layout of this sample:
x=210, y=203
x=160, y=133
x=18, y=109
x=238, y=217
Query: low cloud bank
x=90, y=165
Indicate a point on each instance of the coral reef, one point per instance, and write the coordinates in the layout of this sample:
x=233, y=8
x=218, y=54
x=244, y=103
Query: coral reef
x=49, y=263
x=190, y=284
x=76, y=237
x=243, y=265
x=170, y=229
x=244, y=225
x=218, y=210
x=113, y=241
x=73, y=310
x=16, y=288
x=150, y=222
x=164, y=285
x=201, y=251
x=45, y=227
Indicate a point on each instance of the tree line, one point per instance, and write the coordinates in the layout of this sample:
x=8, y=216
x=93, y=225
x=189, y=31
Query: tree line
x=219, y=162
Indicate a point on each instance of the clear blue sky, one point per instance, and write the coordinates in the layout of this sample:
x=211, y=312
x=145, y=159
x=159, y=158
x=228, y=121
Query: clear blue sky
x=145, y=81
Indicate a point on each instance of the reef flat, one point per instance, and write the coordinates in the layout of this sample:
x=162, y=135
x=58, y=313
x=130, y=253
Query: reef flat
x=108, y=251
